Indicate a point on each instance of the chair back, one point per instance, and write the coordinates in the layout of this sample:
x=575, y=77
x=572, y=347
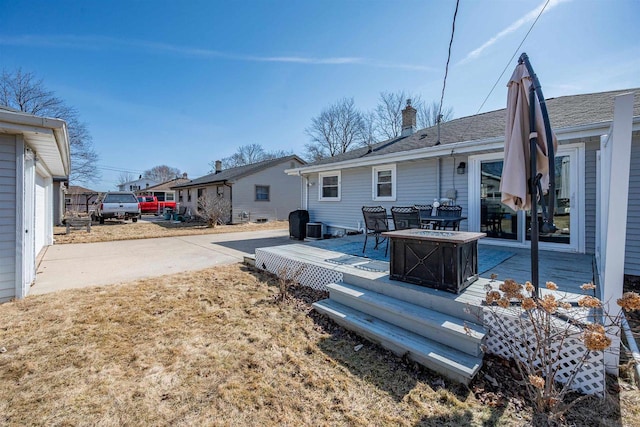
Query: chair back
x=450, y=211
x=375, y=218
x=424, y=210
x=405, y=217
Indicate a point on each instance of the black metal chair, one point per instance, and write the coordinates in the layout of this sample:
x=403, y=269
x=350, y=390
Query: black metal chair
x=450, y=211
x=405, y=217
x=375, y=223
x=425, y=212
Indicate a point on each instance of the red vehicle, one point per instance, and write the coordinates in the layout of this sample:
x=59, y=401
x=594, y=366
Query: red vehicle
x=151, y=205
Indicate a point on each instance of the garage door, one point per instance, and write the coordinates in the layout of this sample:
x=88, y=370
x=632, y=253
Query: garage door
x=41, y=213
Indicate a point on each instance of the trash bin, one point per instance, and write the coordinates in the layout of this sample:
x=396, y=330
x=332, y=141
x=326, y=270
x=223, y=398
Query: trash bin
x=298, y=221
x=168, y=212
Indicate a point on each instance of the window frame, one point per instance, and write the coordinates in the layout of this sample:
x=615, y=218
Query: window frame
x=323, y=175
x=255, y=193
x=374, y=183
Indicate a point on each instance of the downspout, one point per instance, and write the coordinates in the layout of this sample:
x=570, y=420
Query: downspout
x=230, y=201
x=438, y=170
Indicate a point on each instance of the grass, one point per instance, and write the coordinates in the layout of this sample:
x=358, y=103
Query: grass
x=223, y=346
x=120, y=230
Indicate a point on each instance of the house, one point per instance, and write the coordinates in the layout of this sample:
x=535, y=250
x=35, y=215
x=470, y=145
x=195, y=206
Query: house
x=139, y=184
x=461, y=164
x=79, y=199
x=163, y=191
x=33, y=152
x=257, y=192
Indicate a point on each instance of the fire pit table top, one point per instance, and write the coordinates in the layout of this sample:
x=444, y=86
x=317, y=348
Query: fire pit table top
x=459, y=237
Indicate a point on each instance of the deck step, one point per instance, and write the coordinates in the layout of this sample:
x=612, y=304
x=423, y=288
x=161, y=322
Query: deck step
x=451, y=363
x=435, y=299
x=452, y=331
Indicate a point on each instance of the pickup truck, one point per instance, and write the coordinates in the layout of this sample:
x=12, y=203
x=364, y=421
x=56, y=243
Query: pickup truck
x=151, y=205
x=118, y=204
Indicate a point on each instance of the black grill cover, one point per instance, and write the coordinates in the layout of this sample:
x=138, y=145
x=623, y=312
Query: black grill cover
x=298, y=224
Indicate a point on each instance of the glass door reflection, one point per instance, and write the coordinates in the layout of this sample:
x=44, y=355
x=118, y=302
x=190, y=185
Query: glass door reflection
x=496, y=219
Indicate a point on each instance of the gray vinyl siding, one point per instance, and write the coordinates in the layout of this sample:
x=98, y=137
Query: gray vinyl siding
x=591, y=146
x=416, y=184
x=632, y=254
x=7, y=217
x=284, y=194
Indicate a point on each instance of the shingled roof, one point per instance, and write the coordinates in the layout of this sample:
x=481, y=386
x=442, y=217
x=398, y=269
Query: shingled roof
x=564, y=112
x=233, y=174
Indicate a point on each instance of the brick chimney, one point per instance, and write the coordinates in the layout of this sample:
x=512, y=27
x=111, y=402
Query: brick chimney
x=218, y=166
x=408, y=119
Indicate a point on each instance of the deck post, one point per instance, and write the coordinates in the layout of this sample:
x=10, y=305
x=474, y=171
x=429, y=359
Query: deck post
x=614, y=204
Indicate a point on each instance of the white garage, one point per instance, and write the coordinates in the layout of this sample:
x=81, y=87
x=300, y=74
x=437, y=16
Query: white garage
x=33, y=151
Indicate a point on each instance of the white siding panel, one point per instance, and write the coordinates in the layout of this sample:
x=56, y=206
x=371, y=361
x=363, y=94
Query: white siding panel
x=7, y=217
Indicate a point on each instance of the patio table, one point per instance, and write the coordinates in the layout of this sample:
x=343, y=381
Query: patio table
x=432, y=220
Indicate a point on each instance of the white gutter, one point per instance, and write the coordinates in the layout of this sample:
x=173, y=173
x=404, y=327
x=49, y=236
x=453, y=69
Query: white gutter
x=464, y=147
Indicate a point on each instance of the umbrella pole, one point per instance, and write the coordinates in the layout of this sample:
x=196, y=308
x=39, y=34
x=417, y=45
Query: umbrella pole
x=533, y=189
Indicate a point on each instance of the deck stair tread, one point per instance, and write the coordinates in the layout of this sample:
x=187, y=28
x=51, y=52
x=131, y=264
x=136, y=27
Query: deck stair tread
x=450, y=330
x=443, y=359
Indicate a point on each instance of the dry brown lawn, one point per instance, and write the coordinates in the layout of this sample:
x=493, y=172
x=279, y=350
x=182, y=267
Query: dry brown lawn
x=121, y=230
x=224, y=346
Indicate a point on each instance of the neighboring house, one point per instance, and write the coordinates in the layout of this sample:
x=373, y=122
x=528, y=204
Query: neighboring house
x=139, y=184
x=33, y=152
x=164, y=191
x=465, y=168
x=80, y=200
x=257, y=192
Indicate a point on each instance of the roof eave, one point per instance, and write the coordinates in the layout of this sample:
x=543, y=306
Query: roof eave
x=463, y=147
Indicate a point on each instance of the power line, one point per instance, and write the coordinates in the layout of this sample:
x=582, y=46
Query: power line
x=506, y=66
x=446, y=68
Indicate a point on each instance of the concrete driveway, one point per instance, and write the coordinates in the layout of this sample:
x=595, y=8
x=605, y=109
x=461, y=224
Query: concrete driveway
x=80, y=265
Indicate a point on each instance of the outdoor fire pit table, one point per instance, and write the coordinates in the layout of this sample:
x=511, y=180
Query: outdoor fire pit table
x=446, y=260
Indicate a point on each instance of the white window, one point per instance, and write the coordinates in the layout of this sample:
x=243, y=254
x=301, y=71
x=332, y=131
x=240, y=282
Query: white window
x=329, y=186
x=384, y=183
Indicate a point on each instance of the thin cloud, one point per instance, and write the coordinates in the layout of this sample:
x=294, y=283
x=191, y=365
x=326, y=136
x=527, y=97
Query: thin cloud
x=109, y=43
x=529, y=17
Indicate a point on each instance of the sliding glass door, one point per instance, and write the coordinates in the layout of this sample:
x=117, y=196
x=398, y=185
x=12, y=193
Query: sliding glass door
x=510, y=228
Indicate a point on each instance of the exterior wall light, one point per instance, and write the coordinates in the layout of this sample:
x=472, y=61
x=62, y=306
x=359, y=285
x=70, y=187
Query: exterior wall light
x=461, y=168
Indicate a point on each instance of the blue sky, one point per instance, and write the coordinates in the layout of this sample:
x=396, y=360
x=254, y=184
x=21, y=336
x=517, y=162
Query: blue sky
x=184, y=83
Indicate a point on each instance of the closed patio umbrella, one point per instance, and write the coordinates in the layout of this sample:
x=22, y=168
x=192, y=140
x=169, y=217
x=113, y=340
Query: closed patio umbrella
x=517, y=170
x=529, y=147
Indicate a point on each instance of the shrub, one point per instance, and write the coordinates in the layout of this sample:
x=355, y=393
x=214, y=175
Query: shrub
x=536, y=333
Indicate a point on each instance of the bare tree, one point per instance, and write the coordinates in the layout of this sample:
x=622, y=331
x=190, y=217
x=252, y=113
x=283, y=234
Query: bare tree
x=388, y=112
x=161, y=173
x=248, y=154
x=428, y=114
x=370, y=128
x=214, y=209
x=25, y=92
x=336, y=130
x=125, y=177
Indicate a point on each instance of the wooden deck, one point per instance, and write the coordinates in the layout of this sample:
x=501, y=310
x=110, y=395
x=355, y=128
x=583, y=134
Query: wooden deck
x=567, y=270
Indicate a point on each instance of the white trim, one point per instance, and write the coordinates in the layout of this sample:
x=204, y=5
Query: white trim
x=578, y=229
x=374, y=183
x=465, y=147
x=320, y=186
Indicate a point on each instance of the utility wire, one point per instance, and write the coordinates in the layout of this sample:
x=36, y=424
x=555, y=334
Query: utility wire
x=506, y=66
x=446, y=68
